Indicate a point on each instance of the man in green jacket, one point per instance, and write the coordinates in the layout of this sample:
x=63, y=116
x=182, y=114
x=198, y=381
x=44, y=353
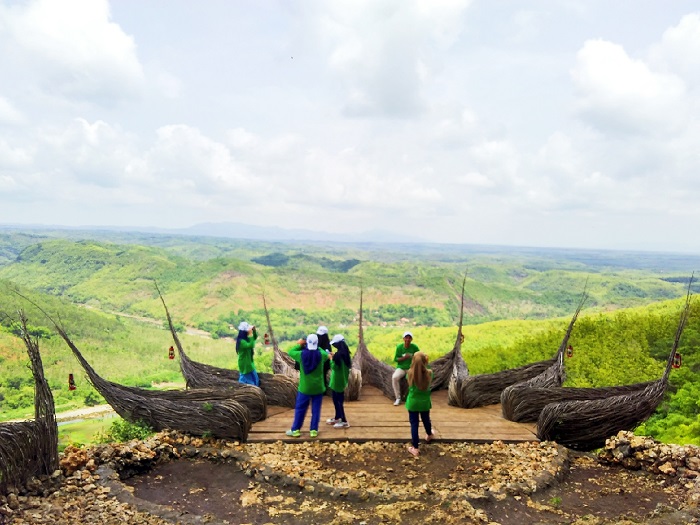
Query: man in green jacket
x=311, y=384
x=402, y=357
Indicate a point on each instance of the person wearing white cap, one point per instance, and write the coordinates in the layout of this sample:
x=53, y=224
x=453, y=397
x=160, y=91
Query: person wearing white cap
x=402, y=357
x=340, y=373
x=245, y=348
x=311, y=386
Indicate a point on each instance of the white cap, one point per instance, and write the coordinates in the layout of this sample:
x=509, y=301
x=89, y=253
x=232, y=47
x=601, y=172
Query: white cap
x=312, y=342
x=243, y=326
x=408, y=334
x=337, y=338
x=322, y=330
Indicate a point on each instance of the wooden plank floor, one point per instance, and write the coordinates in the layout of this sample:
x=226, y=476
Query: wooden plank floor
x=375, y=418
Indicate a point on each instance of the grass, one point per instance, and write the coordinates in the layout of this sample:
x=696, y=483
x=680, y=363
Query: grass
x=82, y=432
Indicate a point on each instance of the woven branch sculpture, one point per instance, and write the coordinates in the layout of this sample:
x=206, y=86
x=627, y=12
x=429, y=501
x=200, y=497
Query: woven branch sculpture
x=586, y=424
x=352, y=391
x=523, y=402
x=460, y=371
x=30, y=448
x=486, y=389
x=279, y=389
x=368, y=370
x=185, y=410
x=449, y=367
x=281, y=362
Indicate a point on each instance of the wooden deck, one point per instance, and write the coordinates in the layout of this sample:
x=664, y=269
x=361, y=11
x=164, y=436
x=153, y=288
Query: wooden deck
x=375, y=418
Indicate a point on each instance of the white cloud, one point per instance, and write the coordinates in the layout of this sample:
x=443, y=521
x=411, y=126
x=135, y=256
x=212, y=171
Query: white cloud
x=87, y=153
x=384, y=52
x=679, y=49
x=623, y=95
x=540, y=125
x=13, y=157
x=9, y=114
x=74, y=49
x=476, y=179
x=184, y=157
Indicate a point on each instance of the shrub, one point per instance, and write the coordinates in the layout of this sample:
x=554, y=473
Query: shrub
x=92, y=399
x=122, y=430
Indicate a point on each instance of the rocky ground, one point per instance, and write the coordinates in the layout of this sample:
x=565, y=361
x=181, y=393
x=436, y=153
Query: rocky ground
x=173, y=478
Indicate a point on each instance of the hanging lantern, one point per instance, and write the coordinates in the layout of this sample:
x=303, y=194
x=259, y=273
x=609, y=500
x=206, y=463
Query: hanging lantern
x=171, y=353
x=71, y=382
x=677, y=360
x=569, y=351
x=267, y=339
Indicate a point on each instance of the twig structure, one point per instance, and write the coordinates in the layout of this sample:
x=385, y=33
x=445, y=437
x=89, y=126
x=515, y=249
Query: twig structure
x=523, y=402
x=212, y=413
x=279, y=389
x=30, y=448
x=451, y=369
x=368, y=370
x=585, y=418
x=281, y=362
x=486, y=389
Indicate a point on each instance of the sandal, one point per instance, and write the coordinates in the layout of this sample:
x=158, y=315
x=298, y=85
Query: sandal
x=429, y=438
x=413, y=450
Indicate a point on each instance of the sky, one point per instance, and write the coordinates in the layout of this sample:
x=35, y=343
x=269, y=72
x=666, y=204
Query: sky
x=551, y=123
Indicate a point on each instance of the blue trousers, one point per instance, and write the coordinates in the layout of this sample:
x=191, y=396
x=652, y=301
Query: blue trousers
x=302, y=405
x=338, y=400
x=413, y=419
x=251, y=378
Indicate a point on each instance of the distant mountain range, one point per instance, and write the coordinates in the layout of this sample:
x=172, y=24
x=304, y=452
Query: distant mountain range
x=237, y=230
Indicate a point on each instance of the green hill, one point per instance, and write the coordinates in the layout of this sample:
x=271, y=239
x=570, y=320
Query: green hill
x=517, y=307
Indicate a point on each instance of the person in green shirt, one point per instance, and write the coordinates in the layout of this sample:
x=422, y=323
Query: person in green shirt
x=402, y=357
x=340, y=372
x=311, y=385
x=245, y=348
x=418, y=401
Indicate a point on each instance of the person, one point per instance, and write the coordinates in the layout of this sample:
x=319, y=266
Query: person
x=311, y=388
x=402, y=357
x=418, y=401
x=245, y=348
x=340, y=372
x=324, y=343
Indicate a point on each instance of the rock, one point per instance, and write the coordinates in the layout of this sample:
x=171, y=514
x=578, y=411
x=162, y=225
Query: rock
x=12, y=501
x=667, y=469
x=693, y=463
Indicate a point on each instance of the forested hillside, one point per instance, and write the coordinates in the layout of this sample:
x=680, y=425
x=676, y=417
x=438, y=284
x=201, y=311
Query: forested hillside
x=517, y=309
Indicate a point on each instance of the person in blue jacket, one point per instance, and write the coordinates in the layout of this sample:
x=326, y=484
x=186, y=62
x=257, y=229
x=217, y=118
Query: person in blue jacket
x=311, y=384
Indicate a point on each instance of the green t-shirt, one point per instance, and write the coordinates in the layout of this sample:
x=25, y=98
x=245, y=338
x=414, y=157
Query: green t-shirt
x=419, y=400
x=245, y=354
x=309, y=384
x=339, y=376
x=401, y=350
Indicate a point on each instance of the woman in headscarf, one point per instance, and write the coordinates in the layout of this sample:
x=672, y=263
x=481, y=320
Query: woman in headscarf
x=340, y=372
x=245, y=348
x=311, y=386
x=324, y=343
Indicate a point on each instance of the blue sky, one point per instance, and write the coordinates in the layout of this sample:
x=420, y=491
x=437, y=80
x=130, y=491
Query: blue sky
x=542, y=123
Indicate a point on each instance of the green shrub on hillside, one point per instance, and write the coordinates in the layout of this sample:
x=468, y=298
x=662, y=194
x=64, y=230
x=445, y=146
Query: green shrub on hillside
x=121, y=431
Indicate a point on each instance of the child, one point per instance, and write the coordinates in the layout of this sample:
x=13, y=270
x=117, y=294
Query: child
x=340, y=371
x=245, y=348
x=311, y=387
x=418, y=400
